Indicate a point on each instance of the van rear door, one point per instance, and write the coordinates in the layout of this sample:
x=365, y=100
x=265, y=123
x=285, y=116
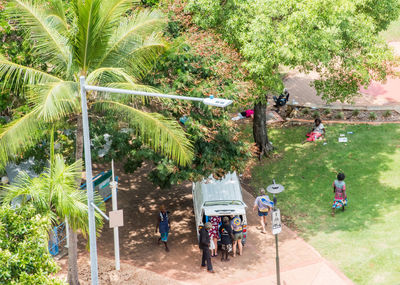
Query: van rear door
x=224, y=210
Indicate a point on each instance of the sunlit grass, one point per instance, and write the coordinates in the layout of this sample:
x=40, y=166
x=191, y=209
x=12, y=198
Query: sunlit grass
x=363, y=241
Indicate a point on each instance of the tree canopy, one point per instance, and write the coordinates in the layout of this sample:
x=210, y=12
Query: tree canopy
x=337, y=39
x=103, y=40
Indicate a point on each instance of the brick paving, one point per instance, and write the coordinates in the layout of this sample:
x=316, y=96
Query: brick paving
x=377, y=94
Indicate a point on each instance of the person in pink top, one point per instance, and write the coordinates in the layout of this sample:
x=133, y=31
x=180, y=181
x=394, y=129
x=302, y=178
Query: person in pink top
x=248, y=113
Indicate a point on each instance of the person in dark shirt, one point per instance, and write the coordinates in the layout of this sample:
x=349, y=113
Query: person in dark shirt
x=282, y=99
x=226, y=238
x=163, y=225
x=204, y=245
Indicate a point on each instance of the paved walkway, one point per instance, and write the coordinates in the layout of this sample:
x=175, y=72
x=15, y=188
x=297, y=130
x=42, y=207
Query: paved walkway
x=378, y=94
x=145, y=262
x=300, y=263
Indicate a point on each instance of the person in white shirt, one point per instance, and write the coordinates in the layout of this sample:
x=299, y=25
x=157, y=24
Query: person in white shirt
x=263, y=204
x=318, y=131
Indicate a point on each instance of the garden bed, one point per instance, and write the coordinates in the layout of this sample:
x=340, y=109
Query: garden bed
x=336, y=114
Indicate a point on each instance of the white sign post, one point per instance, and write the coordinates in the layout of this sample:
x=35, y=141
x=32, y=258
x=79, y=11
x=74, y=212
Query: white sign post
x=116, y=218
x=276, y=221
x=276, y=224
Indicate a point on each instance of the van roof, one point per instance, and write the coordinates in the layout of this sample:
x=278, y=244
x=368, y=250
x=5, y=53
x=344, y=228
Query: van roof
x=226, y=189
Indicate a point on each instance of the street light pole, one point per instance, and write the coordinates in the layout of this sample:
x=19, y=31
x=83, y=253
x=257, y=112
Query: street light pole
x=211, y=101
x=276, y=228
x=89, y=185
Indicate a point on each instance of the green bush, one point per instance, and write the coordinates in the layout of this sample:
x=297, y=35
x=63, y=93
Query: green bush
x=387, y=114
x=372, y=116
x=24, y=256
x=355, y=113
x=327, y=111
x=305, y=111
x=316, y=114
x=340, y=116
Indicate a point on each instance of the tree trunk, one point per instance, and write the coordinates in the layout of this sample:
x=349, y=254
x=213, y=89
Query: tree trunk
x=73, y=277
x=260, y=129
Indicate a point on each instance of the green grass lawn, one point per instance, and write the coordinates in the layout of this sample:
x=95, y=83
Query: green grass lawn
x=363, y=241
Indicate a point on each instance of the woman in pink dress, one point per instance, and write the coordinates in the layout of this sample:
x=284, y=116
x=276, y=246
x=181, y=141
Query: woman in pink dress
x=214, y=234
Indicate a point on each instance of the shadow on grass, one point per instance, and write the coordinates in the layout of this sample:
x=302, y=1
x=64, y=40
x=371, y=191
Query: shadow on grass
x=308, y=170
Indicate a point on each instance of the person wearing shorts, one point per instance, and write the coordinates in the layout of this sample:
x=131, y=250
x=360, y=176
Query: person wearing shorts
x=237, y=229
x=163, y=225
x=263, y=205
x=225, y=231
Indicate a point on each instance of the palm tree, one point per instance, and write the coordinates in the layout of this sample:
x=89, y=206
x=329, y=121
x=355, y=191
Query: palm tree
x=96, y=39
x=54, y=193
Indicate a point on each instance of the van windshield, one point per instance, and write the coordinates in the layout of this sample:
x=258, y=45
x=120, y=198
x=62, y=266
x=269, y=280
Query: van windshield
x=223, y=202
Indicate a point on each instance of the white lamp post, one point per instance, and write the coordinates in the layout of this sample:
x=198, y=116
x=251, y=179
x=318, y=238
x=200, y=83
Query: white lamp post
x=88, y=160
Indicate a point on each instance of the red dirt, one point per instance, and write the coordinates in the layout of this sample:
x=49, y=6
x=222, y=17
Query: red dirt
x=141, y=256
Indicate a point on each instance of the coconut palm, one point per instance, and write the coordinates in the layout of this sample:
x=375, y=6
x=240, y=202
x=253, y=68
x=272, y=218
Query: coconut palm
x=54, y=193
x=96, y=39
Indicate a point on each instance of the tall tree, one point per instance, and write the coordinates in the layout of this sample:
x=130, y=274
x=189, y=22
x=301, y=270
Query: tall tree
x=96, y=39
x=337, y=39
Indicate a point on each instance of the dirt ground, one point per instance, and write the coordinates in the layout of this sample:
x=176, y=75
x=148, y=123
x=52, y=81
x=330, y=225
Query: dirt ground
x=143, y=261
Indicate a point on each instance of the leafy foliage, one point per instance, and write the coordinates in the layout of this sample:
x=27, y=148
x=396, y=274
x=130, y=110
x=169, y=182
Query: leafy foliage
x=24, y=256
x=97, y=39
x=337, y=39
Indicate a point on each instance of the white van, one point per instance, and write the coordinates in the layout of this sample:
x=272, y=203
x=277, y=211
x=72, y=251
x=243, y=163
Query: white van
x=223, y=197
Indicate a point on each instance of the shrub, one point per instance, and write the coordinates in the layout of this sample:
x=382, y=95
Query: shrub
x=327, y=111
x=340, y=115
x=305, y=111
x=387, y=114
x=372, y=116
x=316, y=114
x=355, y=113
x=24, y=257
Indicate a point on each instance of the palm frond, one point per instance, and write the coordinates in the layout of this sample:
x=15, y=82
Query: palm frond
x=107, y=75
x=131, y=34
x=49, y=44
x=89, y=44
x=18, y=136
x=161, y=134
x=14, y=74
x=27, y=189
x=112, y=11
x=54, y=100
x=57, y=13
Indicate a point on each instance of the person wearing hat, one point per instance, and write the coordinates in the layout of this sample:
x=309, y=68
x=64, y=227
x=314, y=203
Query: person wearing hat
x=204, y=245
x=263, y=204
x=163, y=225
x=225, y=231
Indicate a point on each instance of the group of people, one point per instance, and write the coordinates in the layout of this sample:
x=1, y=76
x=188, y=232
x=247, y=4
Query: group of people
x=227, y=230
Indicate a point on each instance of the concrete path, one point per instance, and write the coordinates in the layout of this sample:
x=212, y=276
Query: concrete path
x=377, y=94
x=300, y=263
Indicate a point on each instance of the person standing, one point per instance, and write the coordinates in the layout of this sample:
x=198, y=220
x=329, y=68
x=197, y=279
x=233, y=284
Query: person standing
x=263, y=205
x=237, y=228
x=339, y=188
x=214, y=220
x=204, y=245
x=163, y=225
x=225, y=231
